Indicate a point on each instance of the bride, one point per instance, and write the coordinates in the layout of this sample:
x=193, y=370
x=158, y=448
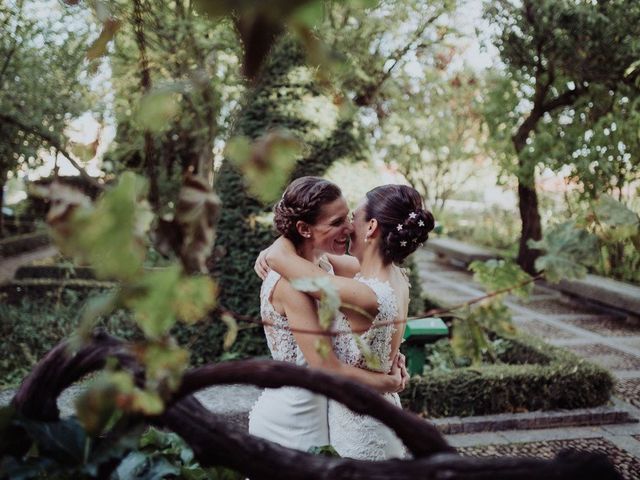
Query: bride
x=388, y=225
x=313, y=216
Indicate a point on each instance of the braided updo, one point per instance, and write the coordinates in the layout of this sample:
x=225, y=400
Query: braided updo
x=404, y=224
x=303, y=201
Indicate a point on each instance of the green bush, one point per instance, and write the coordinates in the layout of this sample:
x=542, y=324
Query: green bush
x=534, y=376
x=18, y=244
x=31, y=328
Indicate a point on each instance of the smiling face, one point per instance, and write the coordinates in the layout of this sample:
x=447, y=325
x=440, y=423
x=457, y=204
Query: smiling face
x=331, y=232
x=360, y=230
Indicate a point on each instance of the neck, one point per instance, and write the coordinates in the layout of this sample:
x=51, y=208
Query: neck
x=371, y=264
x=306, y=251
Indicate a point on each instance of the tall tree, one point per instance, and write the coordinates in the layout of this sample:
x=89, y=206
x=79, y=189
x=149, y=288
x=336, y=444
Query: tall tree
x=41, y=88
x=558, y=56
x=173, y=69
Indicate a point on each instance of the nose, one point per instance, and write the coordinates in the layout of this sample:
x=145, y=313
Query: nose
x=349, y=228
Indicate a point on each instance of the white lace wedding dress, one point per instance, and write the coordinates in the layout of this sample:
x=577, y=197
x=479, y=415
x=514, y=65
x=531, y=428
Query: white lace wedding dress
x=360, y=436
x=293, y=417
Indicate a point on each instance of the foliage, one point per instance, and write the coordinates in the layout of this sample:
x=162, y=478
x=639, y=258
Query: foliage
x=493, y=228
x=33, y=327
x=62, y=449
x=561, y=80
x=41, y=82
x=432, y=131
x=568, y=252
x=162, y=453
x=534, y=376
x=287, y=98
x=500, y=274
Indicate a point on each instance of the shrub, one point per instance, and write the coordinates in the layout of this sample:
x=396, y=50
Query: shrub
x=31, y=328
x=535, y=376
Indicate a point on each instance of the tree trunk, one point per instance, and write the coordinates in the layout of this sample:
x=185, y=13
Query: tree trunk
x=531, y=224
x=527, y=196
x=145, y=84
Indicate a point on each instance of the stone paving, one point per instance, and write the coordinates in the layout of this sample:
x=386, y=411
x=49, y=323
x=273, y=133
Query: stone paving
x=607, y=338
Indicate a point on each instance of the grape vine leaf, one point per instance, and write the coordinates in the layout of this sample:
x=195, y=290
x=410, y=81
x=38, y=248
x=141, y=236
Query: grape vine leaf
x=497, y=275
x=569, y=250
x=329, y=301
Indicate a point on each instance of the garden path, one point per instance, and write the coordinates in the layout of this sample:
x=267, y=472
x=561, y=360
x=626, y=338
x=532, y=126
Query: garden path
x=605, y=337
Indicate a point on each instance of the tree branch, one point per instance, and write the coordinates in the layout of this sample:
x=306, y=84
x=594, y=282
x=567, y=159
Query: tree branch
x=214, y=442
x=51, y=140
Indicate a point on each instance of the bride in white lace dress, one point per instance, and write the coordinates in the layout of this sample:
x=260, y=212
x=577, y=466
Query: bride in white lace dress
x=389, y=224
x=314, y=215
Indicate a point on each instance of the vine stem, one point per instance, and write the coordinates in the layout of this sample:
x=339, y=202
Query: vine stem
x=333, y=333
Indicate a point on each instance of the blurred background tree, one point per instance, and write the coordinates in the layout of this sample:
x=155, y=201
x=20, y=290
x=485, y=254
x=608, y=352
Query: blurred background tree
x=43, y=85
x=566, y=67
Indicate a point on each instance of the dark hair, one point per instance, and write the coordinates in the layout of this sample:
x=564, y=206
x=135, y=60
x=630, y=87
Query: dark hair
x=303, y=200
x=404, y=223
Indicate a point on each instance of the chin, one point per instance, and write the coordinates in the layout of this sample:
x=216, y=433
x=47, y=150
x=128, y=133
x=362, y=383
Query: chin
x=340, y=249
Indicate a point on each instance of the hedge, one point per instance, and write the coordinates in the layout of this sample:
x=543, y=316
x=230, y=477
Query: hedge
x=15, y=245
x=534, y=376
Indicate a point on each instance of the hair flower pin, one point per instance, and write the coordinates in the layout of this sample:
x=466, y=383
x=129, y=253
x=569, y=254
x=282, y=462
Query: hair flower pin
x=403, y=243
x=413, y=215
x=399, y=227
x=420, y=223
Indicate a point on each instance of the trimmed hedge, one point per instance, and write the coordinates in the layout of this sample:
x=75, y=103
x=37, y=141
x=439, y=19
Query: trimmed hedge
x=11, y=246
x=535, y=376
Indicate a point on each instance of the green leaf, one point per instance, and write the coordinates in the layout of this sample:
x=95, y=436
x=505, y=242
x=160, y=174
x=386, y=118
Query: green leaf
x=194, y=297
x=96, y=405
x=310, y=14
x=468, y=340
x=165, y=363
x=266, y=163
x=371, y=359
x=231, y=333
x=142, y=466
x=492, y=314
x=196, y=214
x=329, y=299
x=324, y=450
x=157, y=109
x=568, y=252
x=153, y=303
x=111, y=234
x=323, y=347
x=497, y=275
x=622, y=222
x=63, y=440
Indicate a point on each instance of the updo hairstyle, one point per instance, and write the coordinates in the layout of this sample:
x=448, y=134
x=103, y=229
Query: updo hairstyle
x=404, y=224
x=303, y=201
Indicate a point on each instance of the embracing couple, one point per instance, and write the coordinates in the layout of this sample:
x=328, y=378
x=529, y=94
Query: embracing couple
x=313, y=220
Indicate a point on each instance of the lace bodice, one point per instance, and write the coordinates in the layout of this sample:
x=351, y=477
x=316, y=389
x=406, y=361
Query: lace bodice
x=280, y=339
x=377, y=338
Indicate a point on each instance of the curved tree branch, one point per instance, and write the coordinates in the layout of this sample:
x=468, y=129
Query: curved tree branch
x=216, y=443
